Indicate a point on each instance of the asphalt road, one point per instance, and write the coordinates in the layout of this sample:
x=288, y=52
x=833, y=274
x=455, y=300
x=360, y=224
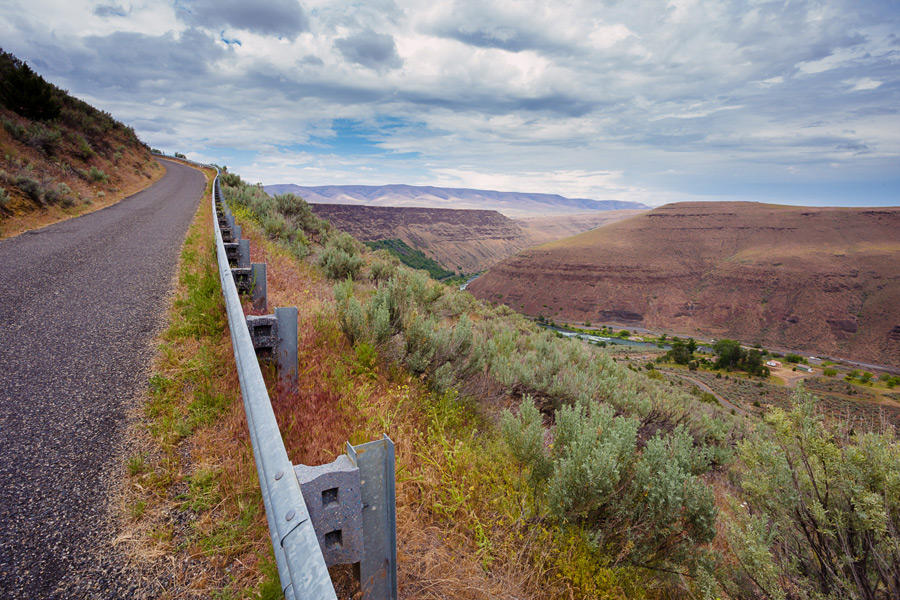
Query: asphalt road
x=80, y=303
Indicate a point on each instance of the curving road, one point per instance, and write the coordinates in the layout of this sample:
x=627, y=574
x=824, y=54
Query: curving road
x=80, y=303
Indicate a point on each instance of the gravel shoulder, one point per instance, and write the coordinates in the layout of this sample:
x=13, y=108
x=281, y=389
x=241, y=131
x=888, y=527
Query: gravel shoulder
x=80, y=304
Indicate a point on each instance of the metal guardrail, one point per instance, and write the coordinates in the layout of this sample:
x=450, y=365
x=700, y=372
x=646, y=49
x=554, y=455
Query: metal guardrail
x=301, y=566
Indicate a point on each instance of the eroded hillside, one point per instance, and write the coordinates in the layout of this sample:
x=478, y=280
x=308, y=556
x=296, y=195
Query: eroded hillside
x=59, y=156
x=822, y=279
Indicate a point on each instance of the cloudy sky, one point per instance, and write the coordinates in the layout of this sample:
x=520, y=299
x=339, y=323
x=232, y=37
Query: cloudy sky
x=794, y=101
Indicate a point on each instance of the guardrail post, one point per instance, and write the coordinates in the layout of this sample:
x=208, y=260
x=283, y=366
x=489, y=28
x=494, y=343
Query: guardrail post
x=352, y=506
x=287, y=344
x=377, y=570
x=258, y=294
x=243, y=251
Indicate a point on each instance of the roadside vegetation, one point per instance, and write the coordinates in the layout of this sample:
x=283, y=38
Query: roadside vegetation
x=59, y=156
x=534, y=466
x=191, y=516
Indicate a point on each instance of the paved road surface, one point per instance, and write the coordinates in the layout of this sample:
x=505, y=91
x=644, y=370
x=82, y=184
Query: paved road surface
x=80, y=302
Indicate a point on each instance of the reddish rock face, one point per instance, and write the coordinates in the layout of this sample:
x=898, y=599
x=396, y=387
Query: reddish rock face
x=462, y=240
x=824, y=279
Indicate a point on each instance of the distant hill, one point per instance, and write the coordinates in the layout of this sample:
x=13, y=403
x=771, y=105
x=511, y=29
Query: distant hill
x=58, y=153
x=511, y=204
x=460, y=240
x=820, y=279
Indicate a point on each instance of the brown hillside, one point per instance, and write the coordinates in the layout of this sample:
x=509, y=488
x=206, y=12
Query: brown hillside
x=59, y=156
x=463, y=240
x=818, y=279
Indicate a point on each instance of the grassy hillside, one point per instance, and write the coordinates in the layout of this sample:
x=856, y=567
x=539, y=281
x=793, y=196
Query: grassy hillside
x=411, y=257
x=60, y=156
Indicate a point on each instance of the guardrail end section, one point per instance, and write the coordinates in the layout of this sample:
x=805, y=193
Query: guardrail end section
x=378, y=567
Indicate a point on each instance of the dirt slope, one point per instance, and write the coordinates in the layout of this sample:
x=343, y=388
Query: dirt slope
x=822, y=279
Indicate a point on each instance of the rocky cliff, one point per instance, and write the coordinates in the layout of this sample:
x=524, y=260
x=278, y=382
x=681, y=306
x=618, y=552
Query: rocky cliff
x=820, y=279
x=461, y=240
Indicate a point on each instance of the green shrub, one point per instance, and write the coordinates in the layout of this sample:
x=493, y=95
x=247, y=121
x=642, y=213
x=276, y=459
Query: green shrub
x=4, y=197
x=830, y=503
x=645, y=507
x=64, y=195
x=337, y=263
x=829, y=372
x=85, y=151
x=31, y=187
x=286, y=218
x=98, y=175
x=13, y=128
x=381, y=270
x=43, y=138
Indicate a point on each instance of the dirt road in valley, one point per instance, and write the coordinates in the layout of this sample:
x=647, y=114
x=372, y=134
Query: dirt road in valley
x=725, y=403
x=80, y=303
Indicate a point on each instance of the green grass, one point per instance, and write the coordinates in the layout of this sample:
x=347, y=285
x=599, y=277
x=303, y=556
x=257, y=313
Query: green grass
x=412, y=257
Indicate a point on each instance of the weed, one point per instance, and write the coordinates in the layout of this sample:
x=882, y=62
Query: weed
x=138, y=509
x=203, y=490
x=98, y=175
x=137, y=465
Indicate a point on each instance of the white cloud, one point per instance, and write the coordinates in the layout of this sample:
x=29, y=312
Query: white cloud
x=864, y=83
x=571, y=97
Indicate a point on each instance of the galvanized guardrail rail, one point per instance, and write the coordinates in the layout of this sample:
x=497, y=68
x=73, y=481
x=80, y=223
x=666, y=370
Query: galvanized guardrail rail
x=301, y=566
x=351, y=517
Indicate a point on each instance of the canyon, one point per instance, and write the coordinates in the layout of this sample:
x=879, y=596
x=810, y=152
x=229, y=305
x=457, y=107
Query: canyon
x=823, y=279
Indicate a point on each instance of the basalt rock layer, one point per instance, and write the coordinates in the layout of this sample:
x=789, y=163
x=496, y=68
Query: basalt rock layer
x=818, y=279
